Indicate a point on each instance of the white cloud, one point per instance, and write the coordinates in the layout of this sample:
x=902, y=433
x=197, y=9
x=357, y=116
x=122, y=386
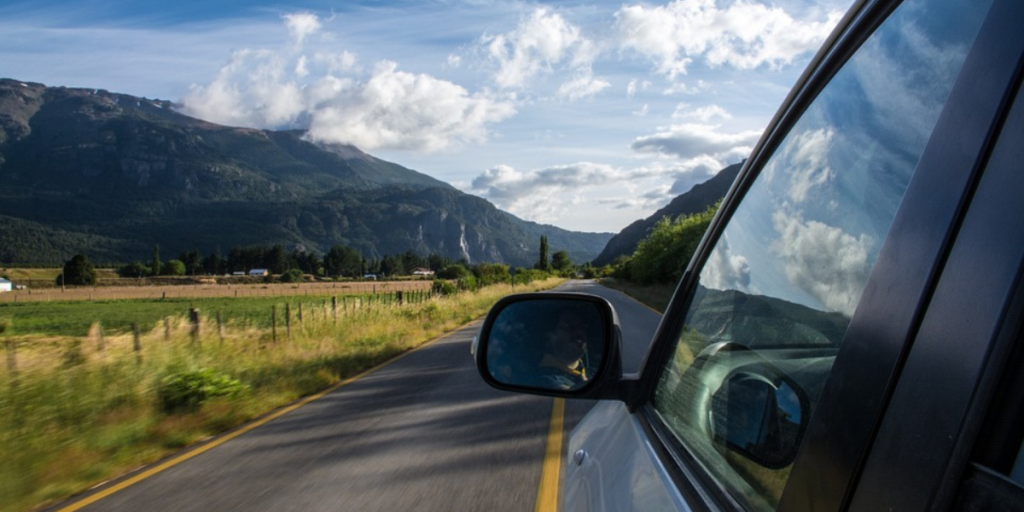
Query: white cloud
x=541, y=44
x=806, y=163
x=389, y=109
x=824, y=261
x=400, y=110
x=703, y=114
x=634, y=86
x=743, y=35
x=697, y=140
x=256, y=89
x=684, y=88
x=544, y=194
x=582, y=85
x=301, y=25
x=336, y=62
x=725, y=270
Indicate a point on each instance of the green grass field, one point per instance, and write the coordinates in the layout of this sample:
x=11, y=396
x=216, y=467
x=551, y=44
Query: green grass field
x=117, y=316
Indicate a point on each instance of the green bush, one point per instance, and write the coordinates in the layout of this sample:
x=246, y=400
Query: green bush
x=491, y=273
x=441, y=287
x=662, y=256
x=454, y=271
x=173, y=268
x=186, y=391
x=291, y=276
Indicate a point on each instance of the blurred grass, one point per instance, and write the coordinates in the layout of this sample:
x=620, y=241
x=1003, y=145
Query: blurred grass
x=77, y=410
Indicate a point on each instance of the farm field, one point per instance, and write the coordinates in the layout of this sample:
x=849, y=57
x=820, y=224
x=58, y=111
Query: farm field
x=79, y=407
x=74, y=312
x=100, y=293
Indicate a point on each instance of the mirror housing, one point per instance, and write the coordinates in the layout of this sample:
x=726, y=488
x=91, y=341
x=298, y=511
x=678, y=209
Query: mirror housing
x=761, y=414
x=553, y=344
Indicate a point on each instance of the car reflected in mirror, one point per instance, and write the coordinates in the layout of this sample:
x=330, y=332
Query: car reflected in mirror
x=547, y=343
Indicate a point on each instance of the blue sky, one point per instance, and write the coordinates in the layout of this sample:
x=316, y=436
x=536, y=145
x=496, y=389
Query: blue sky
x=585, y=115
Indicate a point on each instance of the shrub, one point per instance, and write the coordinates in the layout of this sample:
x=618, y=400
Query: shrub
x=173, y=268
x=663, y=255
x=292, y=276
x=136, y=269
x=186, y=391
x=491, y=273
x=441, y=287
x=454, y=271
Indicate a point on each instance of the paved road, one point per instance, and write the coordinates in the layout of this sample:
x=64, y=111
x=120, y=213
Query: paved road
x=423, y=433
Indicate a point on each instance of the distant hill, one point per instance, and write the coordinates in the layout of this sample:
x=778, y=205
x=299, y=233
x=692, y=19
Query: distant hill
x=698, y=199
x=112, y=175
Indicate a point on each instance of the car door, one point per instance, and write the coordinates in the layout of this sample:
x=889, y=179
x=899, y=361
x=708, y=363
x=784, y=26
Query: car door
x=776, y=361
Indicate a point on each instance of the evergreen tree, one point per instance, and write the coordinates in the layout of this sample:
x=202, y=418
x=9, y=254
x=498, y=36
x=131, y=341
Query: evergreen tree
x=277, y=260
x=343, y=261
x=214, y=263
x=561, y=263
x=155, y=267
x=193, y=262
x=542, y=263
x=78, y=271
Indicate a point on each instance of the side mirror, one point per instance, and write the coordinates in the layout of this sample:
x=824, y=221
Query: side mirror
x=556, y=344
x=761, y=415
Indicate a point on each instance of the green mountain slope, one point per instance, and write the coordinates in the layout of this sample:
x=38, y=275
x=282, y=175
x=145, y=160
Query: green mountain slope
x=112, y=175
x=696, y=200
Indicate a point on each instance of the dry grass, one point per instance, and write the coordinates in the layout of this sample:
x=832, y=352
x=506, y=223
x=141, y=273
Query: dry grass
x=78, y=410
x=198, y=291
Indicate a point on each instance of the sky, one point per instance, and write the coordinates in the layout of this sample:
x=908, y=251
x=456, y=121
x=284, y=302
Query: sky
x=587, y=115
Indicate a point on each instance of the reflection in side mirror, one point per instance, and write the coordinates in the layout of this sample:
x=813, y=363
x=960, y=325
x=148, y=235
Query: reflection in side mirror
x=545, y=342
x=760, y=417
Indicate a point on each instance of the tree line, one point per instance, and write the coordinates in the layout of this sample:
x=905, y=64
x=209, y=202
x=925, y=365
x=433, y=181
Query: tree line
x=662, y=257
x=339, y=262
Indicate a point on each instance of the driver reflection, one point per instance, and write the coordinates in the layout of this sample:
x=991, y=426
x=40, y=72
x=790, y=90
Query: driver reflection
x=564, y=363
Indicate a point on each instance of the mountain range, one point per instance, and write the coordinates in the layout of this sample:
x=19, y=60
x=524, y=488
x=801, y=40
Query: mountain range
x=112, y=175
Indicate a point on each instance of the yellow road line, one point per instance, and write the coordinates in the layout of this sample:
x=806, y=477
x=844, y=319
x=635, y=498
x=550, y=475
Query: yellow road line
x=547, y=493
x=221, y=440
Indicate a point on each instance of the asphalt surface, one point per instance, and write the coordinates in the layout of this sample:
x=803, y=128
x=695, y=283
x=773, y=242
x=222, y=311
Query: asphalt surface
x=423, y=433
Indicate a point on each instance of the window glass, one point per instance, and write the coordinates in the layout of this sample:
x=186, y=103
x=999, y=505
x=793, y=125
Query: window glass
x=782, y=282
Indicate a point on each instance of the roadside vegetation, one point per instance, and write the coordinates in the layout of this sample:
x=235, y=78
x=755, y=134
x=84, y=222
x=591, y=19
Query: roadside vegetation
x=79, y=408
x=651, y=273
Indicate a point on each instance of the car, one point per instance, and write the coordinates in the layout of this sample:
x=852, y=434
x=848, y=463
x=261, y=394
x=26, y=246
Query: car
x=847, y=335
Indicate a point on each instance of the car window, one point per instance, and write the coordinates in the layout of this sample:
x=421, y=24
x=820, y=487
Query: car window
x=778, y=290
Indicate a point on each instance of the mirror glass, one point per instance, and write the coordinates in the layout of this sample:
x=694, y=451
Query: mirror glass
x=548, y=344
x=758, y=417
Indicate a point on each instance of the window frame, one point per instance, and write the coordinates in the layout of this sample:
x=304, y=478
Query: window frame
x=979, y=338
x=873, y=350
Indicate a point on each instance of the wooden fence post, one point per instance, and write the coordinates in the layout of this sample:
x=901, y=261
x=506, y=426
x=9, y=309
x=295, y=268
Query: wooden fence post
x=136, y=344
x=300, y=313
x=220, y=326
x=193, y=317
x=288, y=320
x=334, y=308
x=273, y=322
